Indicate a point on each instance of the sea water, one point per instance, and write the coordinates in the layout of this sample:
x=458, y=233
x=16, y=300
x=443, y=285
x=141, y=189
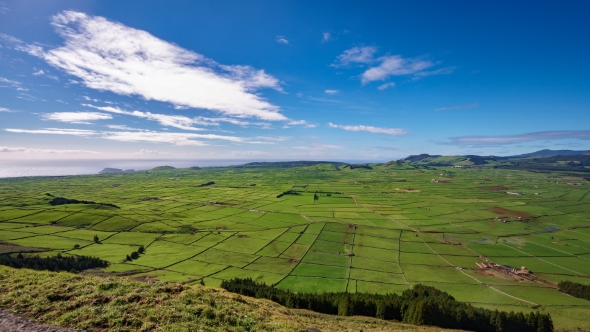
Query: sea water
x=19, y=168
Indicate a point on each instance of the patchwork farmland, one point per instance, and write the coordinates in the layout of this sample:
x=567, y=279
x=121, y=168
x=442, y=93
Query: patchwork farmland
x=499, y=239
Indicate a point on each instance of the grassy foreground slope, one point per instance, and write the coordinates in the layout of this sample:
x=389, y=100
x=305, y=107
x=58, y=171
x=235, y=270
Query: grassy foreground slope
x=119, y=304
x=381, y=229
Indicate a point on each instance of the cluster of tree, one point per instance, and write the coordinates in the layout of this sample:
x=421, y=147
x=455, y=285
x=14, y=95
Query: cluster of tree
x=288, y=192
x=135, y=254
x=422, y=305
x=54, y=263
x=63, y=200
x=206, y=184
x=353, y=166
x=315, y=197
x=575, y=289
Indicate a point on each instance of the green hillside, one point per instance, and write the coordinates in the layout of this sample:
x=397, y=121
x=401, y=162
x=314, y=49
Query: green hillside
x=324, y=228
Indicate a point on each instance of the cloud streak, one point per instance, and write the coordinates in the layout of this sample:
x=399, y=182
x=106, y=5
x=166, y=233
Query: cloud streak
x=522, y=138
x=370, y=129
x=7, y=149
x=109, y=56
x=355, y=55
x=180, y=139
x=77, y=117
x=388, y=65
x=282, y=40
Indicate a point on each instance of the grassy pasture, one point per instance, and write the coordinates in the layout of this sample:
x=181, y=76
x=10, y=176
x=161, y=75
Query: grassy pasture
x=372, y=234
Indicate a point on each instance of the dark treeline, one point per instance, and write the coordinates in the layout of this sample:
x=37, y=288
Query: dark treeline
x=54, y=263
x=575, y=289
x=63, y=200
x=288, y=192
x=422, y=305
x=206, y=184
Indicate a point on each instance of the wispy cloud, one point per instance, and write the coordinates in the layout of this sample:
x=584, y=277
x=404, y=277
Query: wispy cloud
x=300, y=123
x=388, y=65
x=355, y=55
x=282, y=40
x=11, y=84
x=521, y=138
x=326, y=36
x=110, y=56
x=458, y=107
x=121, y=127
x=185, y=122
x=76, y=117
x=370, y=129
x=53, y=131
x=4, y=109
x=394, y=65
x=6, y=149
x=144, y=152
x=331, y=92
x=180, y=139
x=386, y=85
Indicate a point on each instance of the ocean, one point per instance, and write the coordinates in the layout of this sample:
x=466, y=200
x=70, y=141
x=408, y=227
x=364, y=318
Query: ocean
x=20, y=168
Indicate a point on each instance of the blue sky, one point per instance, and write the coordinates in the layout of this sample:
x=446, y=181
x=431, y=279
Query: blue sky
x=270, y=80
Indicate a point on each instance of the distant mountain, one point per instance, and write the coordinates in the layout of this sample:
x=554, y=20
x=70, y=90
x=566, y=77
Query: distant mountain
x=288, y=164
x=163, y=168
x=115, y=170
x=550, y=153
x=543, y=160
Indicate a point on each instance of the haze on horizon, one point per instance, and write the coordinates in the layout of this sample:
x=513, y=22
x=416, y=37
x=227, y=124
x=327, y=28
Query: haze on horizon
x=277, y=80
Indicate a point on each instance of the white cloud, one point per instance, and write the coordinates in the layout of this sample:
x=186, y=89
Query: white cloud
x=77, y=117
x=394, y=65
x=361, y=55
x=4, y=109
x=38, y=73
x=273, y=138
x=521, y=138
x=90, y=99
x=388, y=65
x=181, y=139
x=6, y=149
x=386, y=85
x=11, y=84
x=54, y=131
x=121, y=127
x=282, y=40
x=300, y=123
x=370, y=129
x=151, y=153
x=176, y=121
x=326, y=36
x=110, y=56
x=331, y=92
x=441, y=71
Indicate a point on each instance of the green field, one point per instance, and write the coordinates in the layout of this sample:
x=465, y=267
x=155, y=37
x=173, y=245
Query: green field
x=380, y=230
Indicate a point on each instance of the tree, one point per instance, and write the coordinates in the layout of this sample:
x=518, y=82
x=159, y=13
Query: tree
x=134, y=255
x=202, y=282
x=141, y=250
x=95, y=238
x=128, y=258
x=76, y=246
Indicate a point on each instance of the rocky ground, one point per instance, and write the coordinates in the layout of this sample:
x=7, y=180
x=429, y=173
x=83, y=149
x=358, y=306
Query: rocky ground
x=12, y=323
